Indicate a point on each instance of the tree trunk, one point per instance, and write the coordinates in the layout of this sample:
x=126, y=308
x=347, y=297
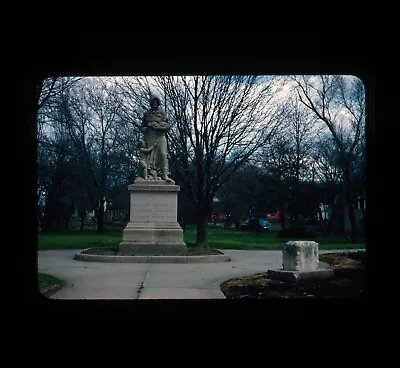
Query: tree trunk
x=283, y=213
x=48, y=216
x=67, y=214
x=100, y=220
x=46, y=224
x=66, y=222
x=295, y=201
x=58, y=222
x=82, y=223
x=201, y=233
x=354, y=235
x=350, y=203
x=352, y=218
x=362, y=198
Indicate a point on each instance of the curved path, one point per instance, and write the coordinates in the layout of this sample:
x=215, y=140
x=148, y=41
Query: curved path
x=99, y=280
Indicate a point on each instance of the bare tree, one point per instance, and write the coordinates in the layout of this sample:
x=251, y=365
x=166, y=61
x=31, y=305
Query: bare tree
x=89, y=113
x=326, y=159
x=274, y=158
x=339, y=102
x=219, y=122
x=133, y=94
x=328, y=172
x=286, y=159
x=57, y=179
x=301, y=130
x=49, y=89
x=243, y=194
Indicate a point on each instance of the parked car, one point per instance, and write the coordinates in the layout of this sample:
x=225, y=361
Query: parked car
x=274, y=216
x=243, y=223
x=255, y=223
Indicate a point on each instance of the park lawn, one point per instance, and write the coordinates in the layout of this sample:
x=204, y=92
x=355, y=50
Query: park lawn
x=231, y=238
x=75, y=240
x=219, y=238
x=46, y=281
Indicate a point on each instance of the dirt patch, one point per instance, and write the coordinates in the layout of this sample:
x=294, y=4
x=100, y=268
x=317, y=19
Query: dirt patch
x=50, y=290
x=188, y=252
x=348, y=282
x=344, y=259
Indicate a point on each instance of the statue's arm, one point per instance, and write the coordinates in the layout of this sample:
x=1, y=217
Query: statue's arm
x=164, y=126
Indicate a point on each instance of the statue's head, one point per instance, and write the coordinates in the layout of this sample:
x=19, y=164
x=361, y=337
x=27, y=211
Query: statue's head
x=154, y=101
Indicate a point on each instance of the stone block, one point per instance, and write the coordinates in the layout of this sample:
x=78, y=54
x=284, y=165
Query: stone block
x=300, y=256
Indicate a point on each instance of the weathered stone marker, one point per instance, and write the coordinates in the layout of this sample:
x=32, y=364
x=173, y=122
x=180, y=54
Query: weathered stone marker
x=300, y=261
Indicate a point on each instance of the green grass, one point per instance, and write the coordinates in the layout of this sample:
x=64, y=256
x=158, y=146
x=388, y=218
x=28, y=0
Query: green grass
x=229, y=238
x=77, y=240
x=45, y=280
x=221, y=238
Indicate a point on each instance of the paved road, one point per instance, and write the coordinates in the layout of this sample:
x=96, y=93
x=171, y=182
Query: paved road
x=99, y=280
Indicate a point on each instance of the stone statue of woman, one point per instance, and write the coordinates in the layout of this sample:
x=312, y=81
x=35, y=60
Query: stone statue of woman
x=155, y=127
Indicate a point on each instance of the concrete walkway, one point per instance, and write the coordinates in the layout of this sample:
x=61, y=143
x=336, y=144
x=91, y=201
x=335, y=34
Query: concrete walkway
x=99, y=280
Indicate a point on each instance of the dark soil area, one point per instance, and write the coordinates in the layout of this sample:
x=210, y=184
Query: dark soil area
x=189, y=252
x=348, y=282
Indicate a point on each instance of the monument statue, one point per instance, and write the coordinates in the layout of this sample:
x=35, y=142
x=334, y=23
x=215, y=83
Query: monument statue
x=153, y=151
x=153, y=227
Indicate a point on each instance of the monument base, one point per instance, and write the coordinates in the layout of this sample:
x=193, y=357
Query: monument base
x=323, y=272
x=153, y=226
x=300, y=261
x=151, y=249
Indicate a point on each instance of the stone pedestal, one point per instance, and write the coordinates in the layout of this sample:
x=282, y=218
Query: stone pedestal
x=300, y=261
x=153, y=225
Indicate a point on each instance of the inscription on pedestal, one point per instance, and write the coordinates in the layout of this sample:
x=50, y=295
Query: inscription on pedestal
x=153, y=212
x=153, y=207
